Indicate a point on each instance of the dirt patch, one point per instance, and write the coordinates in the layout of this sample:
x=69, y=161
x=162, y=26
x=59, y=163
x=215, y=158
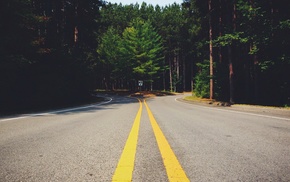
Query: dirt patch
x=206, y=101
x=147, y=94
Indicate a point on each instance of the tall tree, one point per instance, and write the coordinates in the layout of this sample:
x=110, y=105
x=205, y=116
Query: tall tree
x=142, y=49
x=109, y=52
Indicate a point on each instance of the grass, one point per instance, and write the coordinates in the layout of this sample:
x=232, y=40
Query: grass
x=195, y=98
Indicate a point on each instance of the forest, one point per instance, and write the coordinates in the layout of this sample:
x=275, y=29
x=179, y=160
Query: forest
x=60, y=51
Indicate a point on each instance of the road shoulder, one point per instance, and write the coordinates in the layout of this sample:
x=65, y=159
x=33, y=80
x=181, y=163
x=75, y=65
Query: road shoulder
x=262, y=110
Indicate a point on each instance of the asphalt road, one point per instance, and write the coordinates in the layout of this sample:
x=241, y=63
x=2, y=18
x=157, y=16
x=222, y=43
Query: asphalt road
x=86, y=144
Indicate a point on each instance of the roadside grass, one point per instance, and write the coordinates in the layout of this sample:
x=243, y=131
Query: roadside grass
x=194, y=98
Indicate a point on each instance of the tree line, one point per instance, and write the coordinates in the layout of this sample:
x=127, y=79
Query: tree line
x=59, y=51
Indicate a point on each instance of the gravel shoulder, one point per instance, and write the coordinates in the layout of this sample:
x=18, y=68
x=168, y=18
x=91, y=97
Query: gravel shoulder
x=255, y=109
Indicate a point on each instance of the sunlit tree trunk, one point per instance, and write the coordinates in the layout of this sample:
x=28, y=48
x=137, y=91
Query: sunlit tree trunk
x=76, y=34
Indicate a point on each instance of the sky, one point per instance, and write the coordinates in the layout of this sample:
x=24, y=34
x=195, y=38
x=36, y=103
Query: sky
x=153, y=2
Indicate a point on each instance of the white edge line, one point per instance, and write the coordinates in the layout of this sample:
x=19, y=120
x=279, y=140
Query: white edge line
x=57, y=111
x=266, y=116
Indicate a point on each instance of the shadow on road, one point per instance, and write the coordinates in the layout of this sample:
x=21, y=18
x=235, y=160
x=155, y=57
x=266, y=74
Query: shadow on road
x=110, y=100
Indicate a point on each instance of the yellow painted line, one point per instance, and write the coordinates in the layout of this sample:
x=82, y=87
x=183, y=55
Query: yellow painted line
x=124, y=170
x=173, y=168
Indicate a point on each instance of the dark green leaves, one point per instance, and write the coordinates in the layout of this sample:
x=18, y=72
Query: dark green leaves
x=135, y=55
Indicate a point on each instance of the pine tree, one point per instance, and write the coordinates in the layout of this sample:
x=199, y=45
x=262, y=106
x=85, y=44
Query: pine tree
x=142, y=49
x=108, y=51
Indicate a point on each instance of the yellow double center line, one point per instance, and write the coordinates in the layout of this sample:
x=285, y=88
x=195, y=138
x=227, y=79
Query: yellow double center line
x=124, y=170
x=125, y=166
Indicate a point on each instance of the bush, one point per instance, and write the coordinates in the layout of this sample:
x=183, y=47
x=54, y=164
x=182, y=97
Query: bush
x=201, y=87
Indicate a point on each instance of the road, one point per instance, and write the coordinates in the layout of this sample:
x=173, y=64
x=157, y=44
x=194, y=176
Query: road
x=161, y=139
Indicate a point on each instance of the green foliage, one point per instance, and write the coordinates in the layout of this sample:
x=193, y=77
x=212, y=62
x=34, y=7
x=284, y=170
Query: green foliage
x=63, y=49
x=136, y=55
x=284, y=24
x=176, y=82
x=109, y=52
x=47, y=52
x=144, y=49
x=228, y=39
x=201, y=87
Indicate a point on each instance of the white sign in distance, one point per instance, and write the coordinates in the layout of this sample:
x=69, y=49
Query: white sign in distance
x=140, y=83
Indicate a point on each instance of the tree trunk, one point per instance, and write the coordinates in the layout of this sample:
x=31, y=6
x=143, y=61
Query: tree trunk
x=220, y=30
x=76, y=32
x=183, y=73
x=177, y=67
x=175, y=72
x=191, y=75
x=231, y=69
x=231, y=75
x=256, y=87
x=177, y=59
x=255, y=61
x=164, y=82
x=247, y=80
x=210, y=53
x=256, y=81
x=170, y=74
